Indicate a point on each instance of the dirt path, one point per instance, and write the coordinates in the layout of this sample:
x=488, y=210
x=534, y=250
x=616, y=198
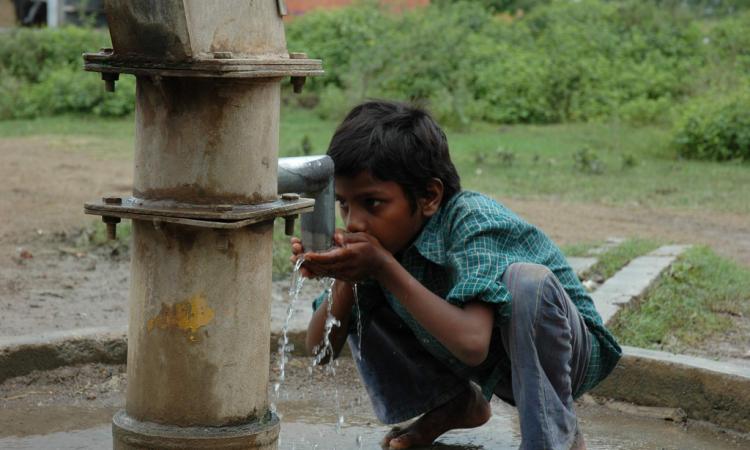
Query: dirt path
x=728, y=234
x=44, y=187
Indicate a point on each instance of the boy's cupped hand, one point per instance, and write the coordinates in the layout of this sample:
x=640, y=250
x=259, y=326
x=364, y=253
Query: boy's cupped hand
x=355, y=257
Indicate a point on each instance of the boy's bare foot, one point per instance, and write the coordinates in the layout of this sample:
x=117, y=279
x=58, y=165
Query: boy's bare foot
x=467, y=410
x=579, y=443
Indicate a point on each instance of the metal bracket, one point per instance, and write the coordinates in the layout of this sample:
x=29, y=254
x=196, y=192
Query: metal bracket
x=205, y=216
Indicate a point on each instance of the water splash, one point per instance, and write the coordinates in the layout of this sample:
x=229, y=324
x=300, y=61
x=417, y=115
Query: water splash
x=285, y=348
x=359, y=319
x=327, y=349
x=339, y=423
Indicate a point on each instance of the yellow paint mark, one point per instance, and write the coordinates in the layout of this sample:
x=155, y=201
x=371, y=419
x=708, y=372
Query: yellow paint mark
x=189, y=316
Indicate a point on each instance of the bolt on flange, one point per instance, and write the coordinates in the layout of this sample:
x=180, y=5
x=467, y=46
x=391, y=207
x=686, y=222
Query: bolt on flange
x=289, y=220
x=289, y=224
x=111, y=226
x=298, y=82
x=109, y=80
x=111, y=221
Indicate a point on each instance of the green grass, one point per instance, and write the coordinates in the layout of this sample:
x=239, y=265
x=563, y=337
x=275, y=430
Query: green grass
x=636, y=164
x=94, y=236
x=693, y=300
x=614, y=259
x=579, y=249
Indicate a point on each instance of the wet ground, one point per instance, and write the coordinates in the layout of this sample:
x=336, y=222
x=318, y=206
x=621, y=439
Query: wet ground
x=71, y=408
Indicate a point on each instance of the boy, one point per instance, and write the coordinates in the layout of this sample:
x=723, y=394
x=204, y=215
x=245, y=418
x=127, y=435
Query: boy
x=458, y=298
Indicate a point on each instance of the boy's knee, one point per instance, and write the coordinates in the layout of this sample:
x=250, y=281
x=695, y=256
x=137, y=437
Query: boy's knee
x=525, y=279
x=526, y=283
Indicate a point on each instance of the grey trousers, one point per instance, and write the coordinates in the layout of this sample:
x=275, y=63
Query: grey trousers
x=546, y=341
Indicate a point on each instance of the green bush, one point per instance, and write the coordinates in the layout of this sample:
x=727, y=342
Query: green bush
x=646, y=111
x=30, y=53
x=715, y=127
x=41, y=74
x=563, y=61
x=560, y=61
x=349, y=40
x=729, y=42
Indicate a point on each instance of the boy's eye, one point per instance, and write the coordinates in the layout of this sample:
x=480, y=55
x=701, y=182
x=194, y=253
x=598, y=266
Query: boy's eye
x=373, y=203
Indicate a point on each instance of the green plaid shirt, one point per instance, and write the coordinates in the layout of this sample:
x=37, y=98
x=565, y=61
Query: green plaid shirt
x=461, y=255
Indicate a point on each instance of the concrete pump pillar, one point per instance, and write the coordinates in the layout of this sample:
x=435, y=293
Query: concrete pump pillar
x=199, y=297
x=204, y=198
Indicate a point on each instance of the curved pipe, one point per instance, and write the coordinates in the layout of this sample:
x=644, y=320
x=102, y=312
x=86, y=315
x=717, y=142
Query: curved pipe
x=312, y=176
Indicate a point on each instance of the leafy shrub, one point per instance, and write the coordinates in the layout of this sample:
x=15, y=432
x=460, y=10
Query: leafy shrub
x=559, y=61
x=712, y=128
x=334, y=103
x=349, y=40
x=563, y=61
x=41, y=74
x=729, y=41
x=30, y=53
x=646, y=111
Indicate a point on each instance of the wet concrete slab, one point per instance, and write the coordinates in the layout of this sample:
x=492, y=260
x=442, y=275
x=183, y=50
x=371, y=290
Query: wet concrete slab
x=58, y=410
x=581, y=264
x=604, y=429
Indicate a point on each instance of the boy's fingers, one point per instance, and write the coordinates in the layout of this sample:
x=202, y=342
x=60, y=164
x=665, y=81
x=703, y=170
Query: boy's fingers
x=329, y=257
x=341, y=270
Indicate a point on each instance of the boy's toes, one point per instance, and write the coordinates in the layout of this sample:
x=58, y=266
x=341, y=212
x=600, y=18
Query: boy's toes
x=394, y=433
x=407, y=439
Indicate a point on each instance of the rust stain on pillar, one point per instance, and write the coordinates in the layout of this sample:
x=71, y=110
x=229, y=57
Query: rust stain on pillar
x=189, y=316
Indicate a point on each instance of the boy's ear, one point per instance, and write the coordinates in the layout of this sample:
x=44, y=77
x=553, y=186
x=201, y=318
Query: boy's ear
x=430, y=203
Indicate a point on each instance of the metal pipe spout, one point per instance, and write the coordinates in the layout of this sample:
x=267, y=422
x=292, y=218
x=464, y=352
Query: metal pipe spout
x=312, y=176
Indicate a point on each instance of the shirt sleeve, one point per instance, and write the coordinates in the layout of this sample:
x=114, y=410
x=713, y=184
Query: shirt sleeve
x=478, y=256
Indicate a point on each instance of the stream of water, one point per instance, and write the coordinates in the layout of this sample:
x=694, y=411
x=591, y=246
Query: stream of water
x=284, y=346
x=322, y=353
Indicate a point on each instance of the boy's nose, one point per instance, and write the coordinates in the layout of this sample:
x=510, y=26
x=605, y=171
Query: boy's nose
x=355, y=223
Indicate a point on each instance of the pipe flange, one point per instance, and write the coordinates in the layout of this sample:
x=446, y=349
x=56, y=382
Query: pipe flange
x=130, y=433
x=224, y=216
x=225, y=66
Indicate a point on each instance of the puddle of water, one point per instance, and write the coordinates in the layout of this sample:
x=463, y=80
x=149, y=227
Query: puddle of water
x=306, y=426
x=99, y=437
x=48, y=419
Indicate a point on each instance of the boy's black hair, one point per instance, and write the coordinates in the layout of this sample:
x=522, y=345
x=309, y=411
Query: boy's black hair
x=394, y=142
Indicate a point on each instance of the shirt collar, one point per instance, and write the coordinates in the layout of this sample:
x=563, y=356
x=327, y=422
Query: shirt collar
x=431, y=243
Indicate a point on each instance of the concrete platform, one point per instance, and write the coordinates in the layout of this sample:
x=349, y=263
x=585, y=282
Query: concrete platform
x=632, y=280
x=706, y=390
x=581, y=264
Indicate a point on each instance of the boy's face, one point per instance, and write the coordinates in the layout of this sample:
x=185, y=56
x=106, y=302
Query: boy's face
x=379, y=208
